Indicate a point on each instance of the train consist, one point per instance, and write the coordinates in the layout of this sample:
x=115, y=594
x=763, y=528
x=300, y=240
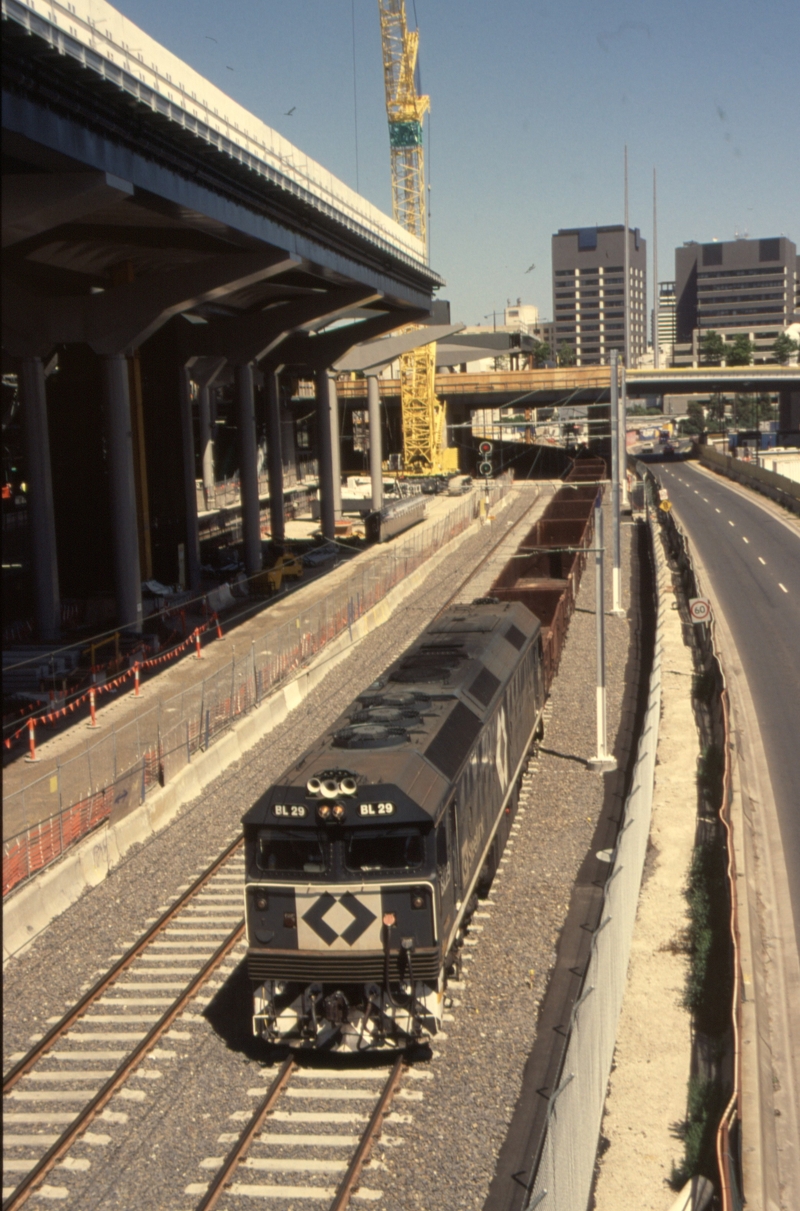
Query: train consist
x=364, y=860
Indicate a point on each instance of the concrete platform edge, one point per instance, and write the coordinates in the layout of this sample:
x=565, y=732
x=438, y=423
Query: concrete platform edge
x=29, y=911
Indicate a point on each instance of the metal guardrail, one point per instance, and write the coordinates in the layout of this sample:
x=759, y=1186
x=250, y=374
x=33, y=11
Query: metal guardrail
x=115, y=775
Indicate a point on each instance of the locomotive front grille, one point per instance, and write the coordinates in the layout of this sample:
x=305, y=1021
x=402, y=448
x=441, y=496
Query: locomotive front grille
x=364, y=968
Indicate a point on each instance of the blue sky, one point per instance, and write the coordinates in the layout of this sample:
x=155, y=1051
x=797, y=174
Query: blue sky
x=532, y=104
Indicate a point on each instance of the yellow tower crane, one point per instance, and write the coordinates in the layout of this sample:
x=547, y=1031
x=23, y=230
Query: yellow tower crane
x=422, y=413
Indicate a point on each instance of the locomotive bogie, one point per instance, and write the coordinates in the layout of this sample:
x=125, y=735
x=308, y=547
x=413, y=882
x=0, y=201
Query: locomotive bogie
x=349, y=1019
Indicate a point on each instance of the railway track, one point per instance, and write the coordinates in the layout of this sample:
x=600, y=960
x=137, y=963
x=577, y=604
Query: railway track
x=89, y=1055
x=312, y=1131
x=107, y=1043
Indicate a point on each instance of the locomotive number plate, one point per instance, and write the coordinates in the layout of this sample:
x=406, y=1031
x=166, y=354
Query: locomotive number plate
x=294, y=811
x=376, y=809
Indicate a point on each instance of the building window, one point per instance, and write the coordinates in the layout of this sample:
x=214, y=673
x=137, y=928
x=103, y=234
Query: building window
x=712, y=254
x=769, y=250
x=587, y=239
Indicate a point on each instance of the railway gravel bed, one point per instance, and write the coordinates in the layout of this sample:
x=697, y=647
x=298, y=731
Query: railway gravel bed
x=171, y=1125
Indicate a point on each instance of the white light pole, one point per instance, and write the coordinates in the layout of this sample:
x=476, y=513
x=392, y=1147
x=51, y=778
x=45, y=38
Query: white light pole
x=603, y=761
x=617, y=472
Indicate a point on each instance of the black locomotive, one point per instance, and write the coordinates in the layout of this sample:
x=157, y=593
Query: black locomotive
x=362, y=862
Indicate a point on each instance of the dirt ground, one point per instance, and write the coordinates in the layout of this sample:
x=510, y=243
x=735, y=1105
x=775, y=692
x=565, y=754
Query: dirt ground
x=646, y=1101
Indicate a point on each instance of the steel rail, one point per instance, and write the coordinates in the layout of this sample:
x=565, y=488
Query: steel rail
x=474, y=571
x=349, y=1183
x=62, y=1145
x=70, y=1017
x=242, y=1145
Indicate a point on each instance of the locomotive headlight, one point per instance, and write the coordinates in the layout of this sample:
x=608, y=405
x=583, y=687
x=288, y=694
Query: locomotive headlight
x=280, y=987
x=324, y=811
x=262, y=902
x=329, y=788
x=313, y=786
x=348, y=786
x=418, y=899
x=338, y=812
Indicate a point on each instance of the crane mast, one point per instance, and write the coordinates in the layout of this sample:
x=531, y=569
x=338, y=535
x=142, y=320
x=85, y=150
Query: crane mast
x=422, y=412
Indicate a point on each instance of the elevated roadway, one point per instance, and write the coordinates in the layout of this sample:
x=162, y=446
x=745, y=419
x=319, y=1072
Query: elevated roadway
x=158, y=241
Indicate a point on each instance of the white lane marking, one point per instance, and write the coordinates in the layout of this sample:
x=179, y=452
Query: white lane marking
x=731, y=523
x=697, y=492
x=760, y=560
x=705, y=498
x=745, y=539
x=782, y=586
x=717, y=510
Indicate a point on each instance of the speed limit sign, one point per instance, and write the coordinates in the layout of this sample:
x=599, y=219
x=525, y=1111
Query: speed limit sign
x=699, y=609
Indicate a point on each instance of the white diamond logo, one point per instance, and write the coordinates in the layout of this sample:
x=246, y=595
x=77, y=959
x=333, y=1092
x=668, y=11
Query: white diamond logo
x=338, y=918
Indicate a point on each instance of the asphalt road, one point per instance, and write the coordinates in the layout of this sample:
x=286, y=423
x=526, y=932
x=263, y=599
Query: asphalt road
x=753, y=560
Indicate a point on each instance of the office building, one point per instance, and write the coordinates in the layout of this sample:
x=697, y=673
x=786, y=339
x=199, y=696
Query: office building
x=589, y=292
x=735, y=287
x=666, y=322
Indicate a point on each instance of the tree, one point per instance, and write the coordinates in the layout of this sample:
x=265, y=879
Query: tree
x=566, y=354
x=740, y=351
x=712, y=348
x=541, y=353
x=783, y=347
x=716, y=406
x=695, y=418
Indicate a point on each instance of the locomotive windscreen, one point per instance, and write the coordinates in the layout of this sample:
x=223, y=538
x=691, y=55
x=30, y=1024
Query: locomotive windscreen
x=373, y=850
x=282, y=854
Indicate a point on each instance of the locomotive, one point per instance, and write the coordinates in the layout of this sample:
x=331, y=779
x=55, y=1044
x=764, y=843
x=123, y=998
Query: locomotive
x=363, y=860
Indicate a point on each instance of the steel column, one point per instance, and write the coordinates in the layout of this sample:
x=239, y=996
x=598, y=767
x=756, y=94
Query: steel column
x=324, y=388
x=189, y=480
x=616, y=569
x=375, y=440
x=275, y=457
x=116, y=395
x=40, y=500
x=248, y=469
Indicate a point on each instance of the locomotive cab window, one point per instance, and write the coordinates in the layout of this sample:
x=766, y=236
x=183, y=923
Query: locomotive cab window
x=281, y=853
x=373, y=851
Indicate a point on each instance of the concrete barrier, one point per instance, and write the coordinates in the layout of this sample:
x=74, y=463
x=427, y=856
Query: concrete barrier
x=777, y=487
x=27, y=912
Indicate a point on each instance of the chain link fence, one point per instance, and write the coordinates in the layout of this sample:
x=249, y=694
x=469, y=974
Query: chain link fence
x=563, y=1178
x=109, y=779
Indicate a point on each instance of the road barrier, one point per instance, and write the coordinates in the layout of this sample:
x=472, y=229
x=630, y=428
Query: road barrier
x=113, y=776
x=778, y=487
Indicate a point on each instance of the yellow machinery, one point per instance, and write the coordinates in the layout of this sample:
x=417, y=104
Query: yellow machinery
x=422, y=412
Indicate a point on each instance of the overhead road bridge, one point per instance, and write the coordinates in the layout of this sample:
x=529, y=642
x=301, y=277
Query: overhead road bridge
x=592, y=385
x=159, y=240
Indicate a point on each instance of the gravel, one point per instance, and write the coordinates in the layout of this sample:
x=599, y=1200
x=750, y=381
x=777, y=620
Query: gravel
x=446, y=1157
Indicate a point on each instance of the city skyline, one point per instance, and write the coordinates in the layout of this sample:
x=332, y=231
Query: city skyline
x=531, y=110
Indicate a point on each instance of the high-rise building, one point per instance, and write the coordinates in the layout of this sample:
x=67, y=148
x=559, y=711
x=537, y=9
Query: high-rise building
x=736, y=287
x=589, y=292
x=666, y=321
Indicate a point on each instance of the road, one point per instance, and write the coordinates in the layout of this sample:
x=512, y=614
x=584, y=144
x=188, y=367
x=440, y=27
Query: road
x=753, y=560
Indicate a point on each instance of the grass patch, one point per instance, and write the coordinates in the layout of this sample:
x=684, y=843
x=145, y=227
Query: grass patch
x=708, y=988
x=703, y=1111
